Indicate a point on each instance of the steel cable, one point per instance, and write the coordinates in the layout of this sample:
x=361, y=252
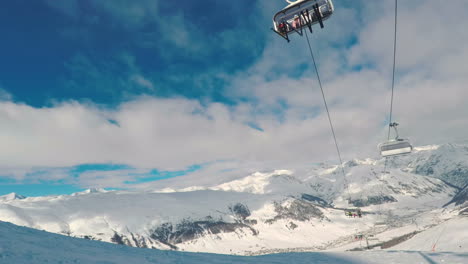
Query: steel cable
x=328, y=114
x=393, y=77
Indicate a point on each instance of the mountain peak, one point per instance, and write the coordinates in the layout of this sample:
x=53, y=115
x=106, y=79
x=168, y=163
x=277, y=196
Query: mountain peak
x=427, y=148
x=254, y=183
x=11, y=196
x=90, y=190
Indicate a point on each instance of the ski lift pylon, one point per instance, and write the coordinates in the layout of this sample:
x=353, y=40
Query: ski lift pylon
x=300, y=14
x=396, y=146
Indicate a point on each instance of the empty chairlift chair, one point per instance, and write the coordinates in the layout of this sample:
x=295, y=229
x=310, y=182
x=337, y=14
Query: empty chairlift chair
x=397, y=146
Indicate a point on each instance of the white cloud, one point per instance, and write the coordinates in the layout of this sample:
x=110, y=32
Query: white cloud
x=169, y=134
x=172, y=134
x=5, y=95
x=142, y=81
x=129, y=14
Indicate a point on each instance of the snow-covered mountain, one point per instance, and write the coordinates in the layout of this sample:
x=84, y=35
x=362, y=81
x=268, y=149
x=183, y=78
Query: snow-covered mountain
x=21, y=245
x=268, y=212
x=461, y=198
x=88, y=191
x=11, y=197
x=447, y=162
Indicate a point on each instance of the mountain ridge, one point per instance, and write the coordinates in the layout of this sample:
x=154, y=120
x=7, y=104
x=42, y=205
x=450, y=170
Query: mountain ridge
x=262, y=212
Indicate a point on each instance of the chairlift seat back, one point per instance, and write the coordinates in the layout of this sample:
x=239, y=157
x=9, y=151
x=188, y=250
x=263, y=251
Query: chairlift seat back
x=395, y=147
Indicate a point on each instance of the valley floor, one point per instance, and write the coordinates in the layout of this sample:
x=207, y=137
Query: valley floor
x=22, y=245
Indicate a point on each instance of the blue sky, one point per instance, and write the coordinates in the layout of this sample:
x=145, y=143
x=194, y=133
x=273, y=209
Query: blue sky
x=149, y=94
x=83, y=50
x=54, y=51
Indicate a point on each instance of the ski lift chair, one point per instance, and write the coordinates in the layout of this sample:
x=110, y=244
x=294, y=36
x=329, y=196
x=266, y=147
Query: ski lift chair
x=359, y=236
x=299, y=14
x=397, y=146
x=353, y=213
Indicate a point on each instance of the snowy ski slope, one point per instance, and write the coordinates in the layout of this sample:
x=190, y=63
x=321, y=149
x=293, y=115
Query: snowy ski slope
x=22, y=245
x=288, y=212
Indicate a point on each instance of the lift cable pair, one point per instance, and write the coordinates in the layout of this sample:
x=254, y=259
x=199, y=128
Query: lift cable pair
x=293, y=19
x=304, y=13
x=396, y=146
x=329, y=116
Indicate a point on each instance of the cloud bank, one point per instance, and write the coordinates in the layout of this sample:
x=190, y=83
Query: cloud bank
x=277, y=120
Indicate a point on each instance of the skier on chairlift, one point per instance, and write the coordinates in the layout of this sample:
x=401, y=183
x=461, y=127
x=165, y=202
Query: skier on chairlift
x=300, y=14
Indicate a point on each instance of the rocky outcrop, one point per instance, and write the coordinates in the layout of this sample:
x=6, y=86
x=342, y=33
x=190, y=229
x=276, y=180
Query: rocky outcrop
x=372, y=200
x=299, y=210
x=188, y=230
x=447, y=163
x=460, y=198
x=315, y=200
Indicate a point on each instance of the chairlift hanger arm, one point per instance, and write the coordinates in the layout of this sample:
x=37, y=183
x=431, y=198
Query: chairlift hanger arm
x=394, y=125
x=396, y=132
